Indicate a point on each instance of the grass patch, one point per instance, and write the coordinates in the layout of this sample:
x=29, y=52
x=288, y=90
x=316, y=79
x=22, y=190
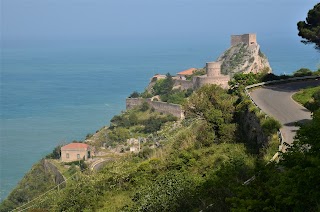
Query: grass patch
x=308, y=97
x=271, y=149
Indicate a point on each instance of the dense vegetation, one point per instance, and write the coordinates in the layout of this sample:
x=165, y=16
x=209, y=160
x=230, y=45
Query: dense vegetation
x=309, y=98
x=164, y=89
x=37, y=181
x=199, y=159
x=196, y=164
x=293, y=183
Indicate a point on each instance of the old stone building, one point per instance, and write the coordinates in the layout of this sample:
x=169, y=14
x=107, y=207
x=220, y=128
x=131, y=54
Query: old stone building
x=213, y=76
x=244, y=56
x=249, y=39
x=74, y=152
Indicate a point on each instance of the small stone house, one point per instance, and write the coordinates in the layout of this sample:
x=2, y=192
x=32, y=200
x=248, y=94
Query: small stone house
x=74, y=152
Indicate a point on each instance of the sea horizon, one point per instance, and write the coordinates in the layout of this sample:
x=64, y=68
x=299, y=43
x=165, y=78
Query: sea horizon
x=54, y=92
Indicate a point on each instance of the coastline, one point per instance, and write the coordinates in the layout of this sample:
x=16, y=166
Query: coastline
x=108, y=84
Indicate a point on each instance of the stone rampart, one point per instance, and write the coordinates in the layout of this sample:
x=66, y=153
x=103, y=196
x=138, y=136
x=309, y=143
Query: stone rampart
x=248, y=39
x=184, y=84
x=133, y=102
x=201, y=81
x=162, y=107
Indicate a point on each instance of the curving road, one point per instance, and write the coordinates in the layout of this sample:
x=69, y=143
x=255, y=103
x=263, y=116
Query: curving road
x=276, y=101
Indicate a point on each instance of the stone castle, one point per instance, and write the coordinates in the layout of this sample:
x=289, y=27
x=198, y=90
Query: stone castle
x=213, y=76
x=248, y=39
x=244, y=46
x=244, y=56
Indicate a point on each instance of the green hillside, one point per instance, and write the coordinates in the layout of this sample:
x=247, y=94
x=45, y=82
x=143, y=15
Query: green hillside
x=196, y=164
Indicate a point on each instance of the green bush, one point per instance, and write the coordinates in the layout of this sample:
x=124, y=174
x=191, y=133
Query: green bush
x=79, y=163
x=302, y=72
x=56, y=153
x=145, y=153
x=135, y=94
x=167, y=192
x=144, y=106
x=163, y=86
x=270, y=126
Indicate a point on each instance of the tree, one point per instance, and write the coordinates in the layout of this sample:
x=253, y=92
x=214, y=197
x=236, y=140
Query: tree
x=291, y=185
x=302, y=72
x=214, y=105
x=135, y=94
x=309, y=30
x=163, y=86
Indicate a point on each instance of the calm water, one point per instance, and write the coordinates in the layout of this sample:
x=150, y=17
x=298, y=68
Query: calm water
x=52, y=93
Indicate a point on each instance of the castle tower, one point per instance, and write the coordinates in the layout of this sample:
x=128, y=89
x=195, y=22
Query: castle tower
x=213, y=69
x=249, y=39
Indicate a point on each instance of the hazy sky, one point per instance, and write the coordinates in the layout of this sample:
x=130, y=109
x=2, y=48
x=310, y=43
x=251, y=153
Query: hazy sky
x=149, y=19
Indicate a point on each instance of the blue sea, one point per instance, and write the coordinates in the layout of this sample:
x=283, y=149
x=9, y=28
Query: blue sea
x=54, y=92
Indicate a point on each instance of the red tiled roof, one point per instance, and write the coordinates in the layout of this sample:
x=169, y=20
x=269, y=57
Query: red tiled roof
x=187, y=72
x=75, y=146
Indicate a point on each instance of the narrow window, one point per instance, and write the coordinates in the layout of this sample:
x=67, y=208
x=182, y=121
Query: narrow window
x=67, y=156
x=78, y=156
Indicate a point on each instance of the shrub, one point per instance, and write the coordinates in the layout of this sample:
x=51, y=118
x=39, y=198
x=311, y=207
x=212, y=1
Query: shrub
x=144, y=106
x=56, y=153
x=135, y=94
x=167, y=192
x=145, y=153
x=302, y=72
x=270, y=126
x=146, y=94
x=89, y=135
x=163, y=86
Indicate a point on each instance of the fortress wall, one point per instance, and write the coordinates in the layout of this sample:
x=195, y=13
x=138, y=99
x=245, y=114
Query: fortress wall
x=185, y=84
x=162, y=107
x=252, y=39
x=245, y=38
x=201, y=81
x=133, y=102
x=236, y=39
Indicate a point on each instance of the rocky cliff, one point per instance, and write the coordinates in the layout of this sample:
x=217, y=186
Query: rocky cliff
x=244, y=58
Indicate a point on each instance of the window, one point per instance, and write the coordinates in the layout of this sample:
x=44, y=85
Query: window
x=67, y=156
x=78, y=156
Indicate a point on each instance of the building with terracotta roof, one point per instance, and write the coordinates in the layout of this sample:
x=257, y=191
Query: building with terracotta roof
x=188, y=72
x=74, y=152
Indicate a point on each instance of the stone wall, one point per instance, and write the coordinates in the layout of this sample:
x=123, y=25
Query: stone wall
x=222, y=80
x=134, y=102
x=162, y=107
x=57, y=176
x=248, y=39
x=184, y=84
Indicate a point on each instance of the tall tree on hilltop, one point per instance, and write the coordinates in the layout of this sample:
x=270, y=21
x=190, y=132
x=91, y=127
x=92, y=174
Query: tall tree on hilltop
x=309, y=30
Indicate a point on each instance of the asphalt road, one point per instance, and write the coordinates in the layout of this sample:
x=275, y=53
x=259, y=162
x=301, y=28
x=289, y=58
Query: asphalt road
x=275, y=100
x=101, y=163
